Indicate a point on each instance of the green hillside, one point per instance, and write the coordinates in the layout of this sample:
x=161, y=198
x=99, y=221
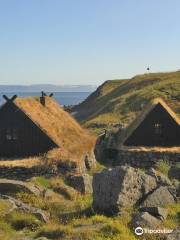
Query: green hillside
x=119, y=101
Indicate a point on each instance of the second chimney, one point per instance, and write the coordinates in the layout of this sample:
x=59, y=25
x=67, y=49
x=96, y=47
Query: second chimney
x=43, y=99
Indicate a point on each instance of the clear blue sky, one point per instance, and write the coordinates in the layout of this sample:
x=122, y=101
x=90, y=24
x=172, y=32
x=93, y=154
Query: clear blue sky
x=86, y=41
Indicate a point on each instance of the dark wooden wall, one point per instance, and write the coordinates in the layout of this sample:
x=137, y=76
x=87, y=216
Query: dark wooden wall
x=30, y=140
x=145, y=134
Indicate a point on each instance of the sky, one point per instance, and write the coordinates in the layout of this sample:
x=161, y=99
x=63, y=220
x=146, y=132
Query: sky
x=86, y=41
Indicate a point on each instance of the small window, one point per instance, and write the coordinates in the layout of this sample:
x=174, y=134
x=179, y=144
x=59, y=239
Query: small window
x=11, y=134
x=158, y=128
x=15, y=134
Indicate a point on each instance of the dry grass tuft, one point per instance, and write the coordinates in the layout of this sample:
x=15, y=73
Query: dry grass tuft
x=151, y=149
x=25, y=162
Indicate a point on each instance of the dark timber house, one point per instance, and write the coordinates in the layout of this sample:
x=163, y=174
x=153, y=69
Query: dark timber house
x=157, y=125
x=32, y=126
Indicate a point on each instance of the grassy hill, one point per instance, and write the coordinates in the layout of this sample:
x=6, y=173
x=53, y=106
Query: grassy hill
x=119, y=101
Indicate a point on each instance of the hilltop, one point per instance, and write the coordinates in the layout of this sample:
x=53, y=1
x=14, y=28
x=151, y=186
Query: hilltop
x=119, y=101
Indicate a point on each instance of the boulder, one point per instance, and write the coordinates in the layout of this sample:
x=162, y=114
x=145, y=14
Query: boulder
x=160, y=178
x=175, y=235
x=175, y=172
x=82, y=183
x=120, y=187
x=145, y=220
x=90, y=160
x=159, y=198
x=12, y=187
x=163, y=180
x=41, y=215
x=157, y=212
x=16, y=204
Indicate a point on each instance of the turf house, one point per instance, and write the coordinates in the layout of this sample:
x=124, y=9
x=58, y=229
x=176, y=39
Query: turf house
x=32, y=126
x=157, y=125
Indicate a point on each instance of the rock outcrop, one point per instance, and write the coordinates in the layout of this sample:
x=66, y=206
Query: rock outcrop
x=120, y=187
x=11, y=187
x=145, y=220
x=82, y=183
x=175, y=235
x=90, y=160
x=16, y=204
x=159, y=197
x=157, y=212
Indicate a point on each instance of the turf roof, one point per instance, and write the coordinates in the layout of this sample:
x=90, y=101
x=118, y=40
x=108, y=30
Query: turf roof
x=57, y=124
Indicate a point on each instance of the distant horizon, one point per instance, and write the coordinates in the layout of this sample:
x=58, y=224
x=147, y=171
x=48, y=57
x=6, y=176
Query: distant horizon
x=87, y=84
x=38, y=88
x=49, y=84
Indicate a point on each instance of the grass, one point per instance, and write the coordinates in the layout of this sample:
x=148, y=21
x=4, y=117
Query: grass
x=107, y=227
x=54, y=231
x=31, y=200
x=58, y=185
x=72, y=217
x=119, y=101
x=42, y=181
x=89, y=228
x=6, y=231
x=173, y=219
x=96, y=169
x=65, y=210
x=19, y=221
x=163, y=167
x=4, y=207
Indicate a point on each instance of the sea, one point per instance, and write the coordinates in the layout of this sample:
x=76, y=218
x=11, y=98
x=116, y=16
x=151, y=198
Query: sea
x=63, y=98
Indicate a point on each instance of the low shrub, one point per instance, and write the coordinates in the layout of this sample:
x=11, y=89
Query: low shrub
x=6, y=231
x=96, y=169
x=111, y=228
x=99, y=219
x=173, y=218
x=58, y=185
x=55, y=231
x=44, y=182
x=82, y=202
x=31, y=199
x=115, y=230
x=20, y=221
x=163, y=167
x=4, y=207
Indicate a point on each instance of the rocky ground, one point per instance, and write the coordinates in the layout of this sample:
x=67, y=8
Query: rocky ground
x=105, y=205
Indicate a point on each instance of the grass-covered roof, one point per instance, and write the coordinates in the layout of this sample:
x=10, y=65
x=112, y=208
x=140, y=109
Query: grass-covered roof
x=57, y=124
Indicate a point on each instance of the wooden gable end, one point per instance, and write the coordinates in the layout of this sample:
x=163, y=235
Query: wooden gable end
x=158, y=128
x=19, y=135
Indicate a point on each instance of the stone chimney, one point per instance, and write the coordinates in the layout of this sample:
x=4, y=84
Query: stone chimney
x=43, y=98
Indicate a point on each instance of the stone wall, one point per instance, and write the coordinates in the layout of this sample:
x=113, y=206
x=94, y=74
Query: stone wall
x=54, y=169
x=20, y=173
x=142, y=159
x=24, y=173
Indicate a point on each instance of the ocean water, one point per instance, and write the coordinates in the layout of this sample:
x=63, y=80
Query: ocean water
x=63, y=98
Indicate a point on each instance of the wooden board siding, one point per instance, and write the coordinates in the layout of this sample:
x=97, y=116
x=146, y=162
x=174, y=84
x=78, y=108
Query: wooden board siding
x=146, y=135
x=31, y=140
